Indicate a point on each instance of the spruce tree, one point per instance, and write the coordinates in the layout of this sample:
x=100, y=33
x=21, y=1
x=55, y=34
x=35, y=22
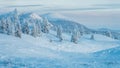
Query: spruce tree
x=109, y=34
x=74, y=37
x=59, y=33
x=3, y=25
x=17, y=24
x=92, y=37
x=38, y=27
x=26, y=27
x=13, y=29
x=34, y=32
x=46, y=26
x=9, y=26
x=18, y=31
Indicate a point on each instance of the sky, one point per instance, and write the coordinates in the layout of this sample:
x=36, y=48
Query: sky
x=92, y=13
x=66, y=4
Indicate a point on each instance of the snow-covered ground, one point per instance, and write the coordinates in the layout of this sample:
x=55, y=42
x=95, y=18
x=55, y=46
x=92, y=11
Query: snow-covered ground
x=47, y=52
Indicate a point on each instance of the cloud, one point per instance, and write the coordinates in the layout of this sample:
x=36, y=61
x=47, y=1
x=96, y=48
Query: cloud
x=24, y=5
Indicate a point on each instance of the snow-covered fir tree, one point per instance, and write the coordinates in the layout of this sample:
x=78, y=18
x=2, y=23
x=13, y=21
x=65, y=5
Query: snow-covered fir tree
x=82, y=30
x=79, y=34
x=109, y=34
x=13, y=28
x=9, y=26
x=17, y=24
x=18, y=31
x=34, y=31
x=74, y=37
x=46, y=26
x=3, y=25
x=78, y=31
x=38, y=27
x=25, y=28
x=59, y=33
x=15, y=18
x=92, y=37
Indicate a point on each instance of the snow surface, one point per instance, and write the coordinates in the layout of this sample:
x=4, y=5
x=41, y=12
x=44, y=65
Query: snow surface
x=46, y=51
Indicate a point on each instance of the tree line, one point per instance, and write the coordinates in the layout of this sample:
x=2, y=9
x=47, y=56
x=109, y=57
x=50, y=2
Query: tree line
x=12, y=25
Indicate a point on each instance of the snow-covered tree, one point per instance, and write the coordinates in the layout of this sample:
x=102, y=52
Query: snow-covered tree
x=74, y=37
x=78, y=34
x=46, y=25
x=78, y=31
x=16, y=19
x=82, y=30
x=9, y=26
x=17, y=24
x=34, y=31
x=18, y=31
x=38, y=27
x=3, y=26
x=13, y=29
x=59, y=33
x=25, y=28
x=109, y=33
x=92, y=37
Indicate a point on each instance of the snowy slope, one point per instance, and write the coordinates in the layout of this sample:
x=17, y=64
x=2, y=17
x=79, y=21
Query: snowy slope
x=40, y=52
x=12, y=46
x=85, y=45
x=109, y=58
x=112, y=53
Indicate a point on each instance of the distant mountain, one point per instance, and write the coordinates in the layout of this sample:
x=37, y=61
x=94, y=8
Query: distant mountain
x=67, y=24
x=104, y=31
